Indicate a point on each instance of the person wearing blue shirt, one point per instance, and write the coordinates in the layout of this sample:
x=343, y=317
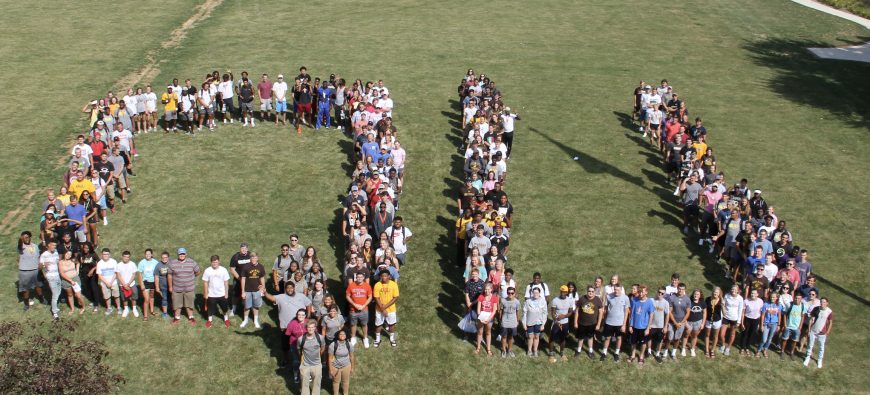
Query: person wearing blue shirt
x=642, y=310
x=75, y=216
x=752, y=263
x=324, y=104
x=370, y=148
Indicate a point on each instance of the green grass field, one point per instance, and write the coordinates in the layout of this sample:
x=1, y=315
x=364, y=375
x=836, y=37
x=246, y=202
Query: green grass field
x=795, y=126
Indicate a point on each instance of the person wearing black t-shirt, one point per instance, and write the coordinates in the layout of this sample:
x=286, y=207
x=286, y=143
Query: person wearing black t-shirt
x=237, y=267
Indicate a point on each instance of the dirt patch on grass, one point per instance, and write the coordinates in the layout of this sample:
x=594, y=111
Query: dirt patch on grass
x=15, y=216
x=152, y=66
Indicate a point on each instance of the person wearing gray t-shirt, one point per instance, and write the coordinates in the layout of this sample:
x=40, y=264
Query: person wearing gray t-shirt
x=341, y=362
x=311, y=346
x=510, y=318
x=691, y=196
x=657, y=325
x=680, y=304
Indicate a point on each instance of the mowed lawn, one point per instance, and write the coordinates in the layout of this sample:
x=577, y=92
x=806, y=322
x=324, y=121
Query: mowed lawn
x=795, y=126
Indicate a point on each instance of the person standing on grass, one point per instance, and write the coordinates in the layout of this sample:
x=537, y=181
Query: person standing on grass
x=561, y=309
x=290, y=337
x=771, y=312
x=87, y=262
x=386, y=294
x=359, y=296
x=28, y=268
x=237, y=263
x=146, y=282
x=509, y=310
x=752, y=307
x=793, y=321
x=215, y=279
x=617, y=313
x=642, y=310
x=264, y=91
x=226, y=89
x=399, y=237
x=311, y=347
x=161, y=283
x=126, y=273
x=246, y=102
x=182, y=285
x=253, y=278
x=821, y=323
x=732, y=313
x=714, y=321
x=205, y=106
x=696, y=320
x=487, y=307
x=534, y=319
x=331, y=324
x=106, y=269
x=170, y=109
x=48, y=265
x=680, y=304
x=659, y=324
x=289, y=302
x=341, y=363
x=70, y=282
x=587, y=320
x=280, y=267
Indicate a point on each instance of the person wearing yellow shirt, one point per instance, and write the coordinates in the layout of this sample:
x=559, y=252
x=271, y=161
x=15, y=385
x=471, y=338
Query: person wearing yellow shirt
x=700, y=147
x=170, y=109
x=461, y=237
x=386, y=294
x=81, y=184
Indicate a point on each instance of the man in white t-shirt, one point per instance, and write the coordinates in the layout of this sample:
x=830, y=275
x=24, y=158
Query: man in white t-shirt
x=279, y=94
x=48, y=266
x=215, y=279
x=226, y=90
x=150, y=109
x=124, y=136
x=86, y=149
x=386, y=105
x=399, y=235
x=106, y=269
x=126, y=272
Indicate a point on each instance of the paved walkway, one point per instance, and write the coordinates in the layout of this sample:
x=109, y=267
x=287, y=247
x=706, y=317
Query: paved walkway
x=858, y=53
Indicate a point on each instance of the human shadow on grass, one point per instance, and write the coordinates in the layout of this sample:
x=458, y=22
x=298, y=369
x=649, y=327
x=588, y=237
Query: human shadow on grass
x=272, y=338
x=671, y=214
x=837, y=86
x=626, y=121
x=844, y=291
x=347, y=147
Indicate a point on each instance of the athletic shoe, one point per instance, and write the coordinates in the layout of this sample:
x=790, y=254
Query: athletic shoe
x=165, y=316
x=353, y=341
x=659, y=359
x=135, y=312
x=616, y=358
x=31, y=302
x=393, y=343
x=175, y=321
x=511, y=354
x=819, y=366
x=26, y=306
x=644, y=134
x=503, y=354
x=366, y=342
x=105, y=221
x=685, y=230
x=191, y=321
x=721, y=349
x=208, y=324
x=377, y=343
x=296, y=378
x=55, y=317
x=640, y=129
x=603, y=357
x=244, y=323
x=682, y=352
x=807, y=361
x=700, y=242
x=691, y=352
x=126, y=312
x=727, y=351
x=227, y=323
x=109, y=311
x=256, y=324
x=591, y=356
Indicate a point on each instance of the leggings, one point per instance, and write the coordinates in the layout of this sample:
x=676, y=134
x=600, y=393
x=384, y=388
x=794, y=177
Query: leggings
x=751, y=325
x=91, y=288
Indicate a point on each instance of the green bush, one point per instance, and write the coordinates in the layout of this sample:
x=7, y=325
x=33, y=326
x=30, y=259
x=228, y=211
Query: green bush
x=857, y=7
x=39, y=358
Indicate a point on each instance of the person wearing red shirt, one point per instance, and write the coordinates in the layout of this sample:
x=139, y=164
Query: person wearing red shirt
x=487, y=304
x=359, y=296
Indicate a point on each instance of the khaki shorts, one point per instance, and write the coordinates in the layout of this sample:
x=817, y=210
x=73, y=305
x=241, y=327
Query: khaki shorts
x=182, y=299
x=114, y=292
x=121, y=181
x=109, y=191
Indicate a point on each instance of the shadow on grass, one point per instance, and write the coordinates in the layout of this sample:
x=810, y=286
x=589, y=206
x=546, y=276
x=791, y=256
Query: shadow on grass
x=669, y=213
x=837, y=86
x=844, y=291
x=271, y=337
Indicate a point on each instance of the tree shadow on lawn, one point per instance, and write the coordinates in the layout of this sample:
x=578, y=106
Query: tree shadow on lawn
x=671, y=214
x=837, y=86
x=272, y=338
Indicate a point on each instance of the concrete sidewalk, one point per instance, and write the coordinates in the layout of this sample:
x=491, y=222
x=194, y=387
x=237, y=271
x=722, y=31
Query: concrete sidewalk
x=858, y=53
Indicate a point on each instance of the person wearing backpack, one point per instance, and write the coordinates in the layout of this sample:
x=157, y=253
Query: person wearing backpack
x=311, y=347
x=341, y=362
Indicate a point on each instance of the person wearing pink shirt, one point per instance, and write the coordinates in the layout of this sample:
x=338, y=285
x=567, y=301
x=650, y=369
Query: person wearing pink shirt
x=398, y=154
x=793, y=274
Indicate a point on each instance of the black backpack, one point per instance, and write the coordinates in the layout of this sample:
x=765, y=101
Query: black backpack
x=305, y=339
x=335, y=346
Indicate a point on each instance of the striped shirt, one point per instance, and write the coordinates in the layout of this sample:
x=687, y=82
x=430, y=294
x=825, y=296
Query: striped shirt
x=183, y=275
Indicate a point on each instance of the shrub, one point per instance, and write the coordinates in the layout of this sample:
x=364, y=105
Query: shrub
x=39, y=358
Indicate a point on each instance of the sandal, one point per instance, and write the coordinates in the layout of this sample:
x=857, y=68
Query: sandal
x=488, y=352
x=477, y=350
x=640, y=362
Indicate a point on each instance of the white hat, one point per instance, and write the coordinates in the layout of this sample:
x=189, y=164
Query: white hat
x=280, y=75
x=508, y=109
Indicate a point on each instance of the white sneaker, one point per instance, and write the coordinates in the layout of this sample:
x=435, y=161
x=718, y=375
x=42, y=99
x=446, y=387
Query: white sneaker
x=135, y=311
x=721, y=349
x=692, y=352
x=579, y=349
x=727, y=351
x=807, y=361
x=105, y=221
x=683, y=352
x=244, y=323
x=644, y=134
x=353, y=341
x=820, y=364
x=649, y=351
x=109, y=311
x=700, y=242
x=253, y=125
x=366, y=342
x=685, y=230
x=640, y=129
x=31, y=302
x=256, y=324
x=126, y=312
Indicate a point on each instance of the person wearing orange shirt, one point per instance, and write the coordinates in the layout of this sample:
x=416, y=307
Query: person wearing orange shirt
x=359, y=296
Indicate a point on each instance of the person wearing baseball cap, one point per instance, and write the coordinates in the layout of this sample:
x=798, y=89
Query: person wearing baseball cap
x=561, y=309
x=182, y=285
